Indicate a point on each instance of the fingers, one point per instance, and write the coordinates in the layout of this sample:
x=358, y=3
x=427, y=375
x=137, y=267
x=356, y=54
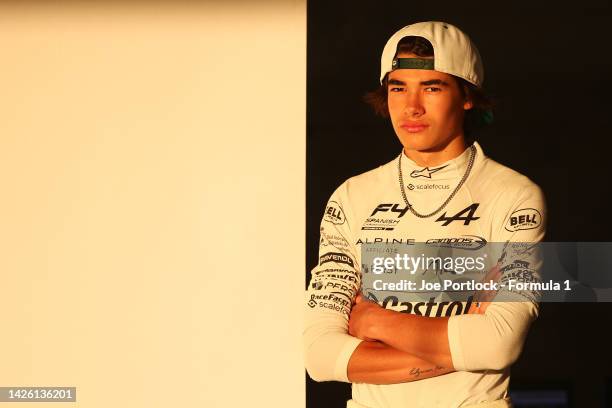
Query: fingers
x=494, y=274
x=478, y=307
x=483, y=298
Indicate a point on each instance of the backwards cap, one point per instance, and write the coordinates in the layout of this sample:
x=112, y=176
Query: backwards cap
x=454, y=52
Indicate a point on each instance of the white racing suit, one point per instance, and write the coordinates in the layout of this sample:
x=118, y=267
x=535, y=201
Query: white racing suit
x=495, y=204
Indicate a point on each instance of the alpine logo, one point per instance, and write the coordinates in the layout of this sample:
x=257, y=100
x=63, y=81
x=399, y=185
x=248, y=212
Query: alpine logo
x=334, y=213
x=460, y=216
x=426, y=172
x=377, y=240
x=523, y=219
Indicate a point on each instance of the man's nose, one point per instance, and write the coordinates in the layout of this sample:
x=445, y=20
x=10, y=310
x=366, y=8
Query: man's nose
x=414, y=104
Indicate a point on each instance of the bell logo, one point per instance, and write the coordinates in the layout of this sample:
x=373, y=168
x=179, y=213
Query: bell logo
x=334, y=213
x=524, y=219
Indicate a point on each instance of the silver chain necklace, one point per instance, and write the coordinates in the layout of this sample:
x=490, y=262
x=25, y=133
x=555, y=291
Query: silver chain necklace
x=450, y=197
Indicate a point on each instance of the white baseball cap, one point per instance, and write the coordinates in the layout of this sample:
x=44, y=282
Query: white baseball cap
x=454, y=52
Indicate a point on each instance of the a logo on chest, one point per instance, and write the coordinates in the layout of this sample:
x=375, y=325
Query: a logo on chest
x=426, y=172
x=432, y=308
x=466, y=215
x=385, y=217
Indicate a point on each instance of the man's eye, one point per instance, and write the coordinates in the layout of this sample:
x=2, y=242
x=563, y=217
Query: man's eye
x=433, y=89
x=396, y=89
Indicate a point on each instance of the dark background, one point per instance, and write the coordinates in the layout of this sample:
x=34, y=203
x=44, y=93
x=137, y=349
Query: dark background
x=548, y=66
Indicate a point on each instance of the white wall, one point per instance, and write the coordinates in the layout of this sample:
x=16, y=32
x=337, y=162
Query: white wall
x=152, y=166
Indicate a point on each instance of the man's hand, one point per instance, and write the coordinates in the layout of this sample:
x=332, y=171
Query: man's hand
x=363, y=316
x=483, y=298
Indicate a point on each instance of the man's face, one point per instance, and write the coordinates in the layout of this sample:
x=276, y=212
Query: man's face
x=426, y=107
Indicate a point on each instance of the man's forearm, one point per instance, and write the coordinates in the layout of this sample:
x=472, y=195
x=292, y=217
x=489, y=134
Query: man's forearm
x=379, y=363
x=420, y=336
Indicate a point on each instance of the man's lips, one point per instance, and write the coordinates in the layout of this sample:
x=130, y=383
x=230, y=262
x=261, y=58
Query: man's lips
x=413, y=127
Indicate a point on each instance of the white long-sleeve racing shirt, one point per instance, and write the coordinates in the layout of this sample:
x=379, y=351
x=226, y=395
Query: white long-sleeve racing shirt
x=495, y=204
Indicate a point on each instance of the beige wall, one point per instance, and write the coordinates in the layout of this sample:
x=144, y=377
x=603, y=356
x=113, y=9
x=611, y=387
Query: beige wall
x=152, y=164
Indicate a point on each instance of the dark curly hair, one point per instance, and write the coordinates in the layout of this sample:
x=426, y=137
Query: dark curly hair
x=476, y=117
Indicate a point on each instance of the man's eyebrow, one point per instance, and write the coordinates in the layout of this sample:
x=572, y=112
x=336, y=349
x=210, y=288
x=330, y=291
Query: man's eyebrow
x=426, y=83
x=435, y=82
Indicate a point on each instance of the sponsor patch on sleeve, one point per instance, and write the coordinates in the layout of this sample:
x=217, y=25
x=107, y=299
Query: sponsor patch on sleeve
x=334, y=213
x=336, y=257
x=523, y=219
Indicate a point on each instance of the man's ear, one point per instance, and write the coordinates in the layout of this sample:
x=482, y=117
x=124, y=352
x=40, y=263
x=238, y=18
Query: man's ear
x=467, y=100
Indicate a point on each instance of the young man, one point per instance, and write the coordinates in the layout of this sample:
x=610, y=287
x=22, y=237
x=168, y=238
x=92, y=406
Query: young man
x=441, y=186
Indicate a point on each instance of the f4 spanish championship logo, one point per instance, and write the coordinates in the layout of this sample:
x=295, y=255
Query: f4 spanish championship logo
x=385, y=217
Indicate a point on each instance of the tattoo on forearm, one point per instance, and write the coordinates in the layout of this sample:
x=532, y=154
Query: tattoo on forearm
x=417, y=372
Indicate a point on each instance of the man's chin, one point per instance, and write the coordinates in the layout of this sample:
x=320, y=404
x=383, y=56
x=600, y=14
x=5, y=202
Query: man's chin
x=422, y=142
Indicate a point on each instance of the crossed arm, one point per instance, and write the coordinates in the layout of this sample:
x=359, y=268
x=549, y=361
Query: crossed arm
x=399, y=347
x=374, y=362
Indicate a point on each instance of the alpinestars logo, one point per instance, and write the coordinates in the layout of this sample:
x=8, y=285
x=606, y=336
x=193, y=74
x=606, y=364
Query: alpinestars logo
x=460, y=216
x=426, y=172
